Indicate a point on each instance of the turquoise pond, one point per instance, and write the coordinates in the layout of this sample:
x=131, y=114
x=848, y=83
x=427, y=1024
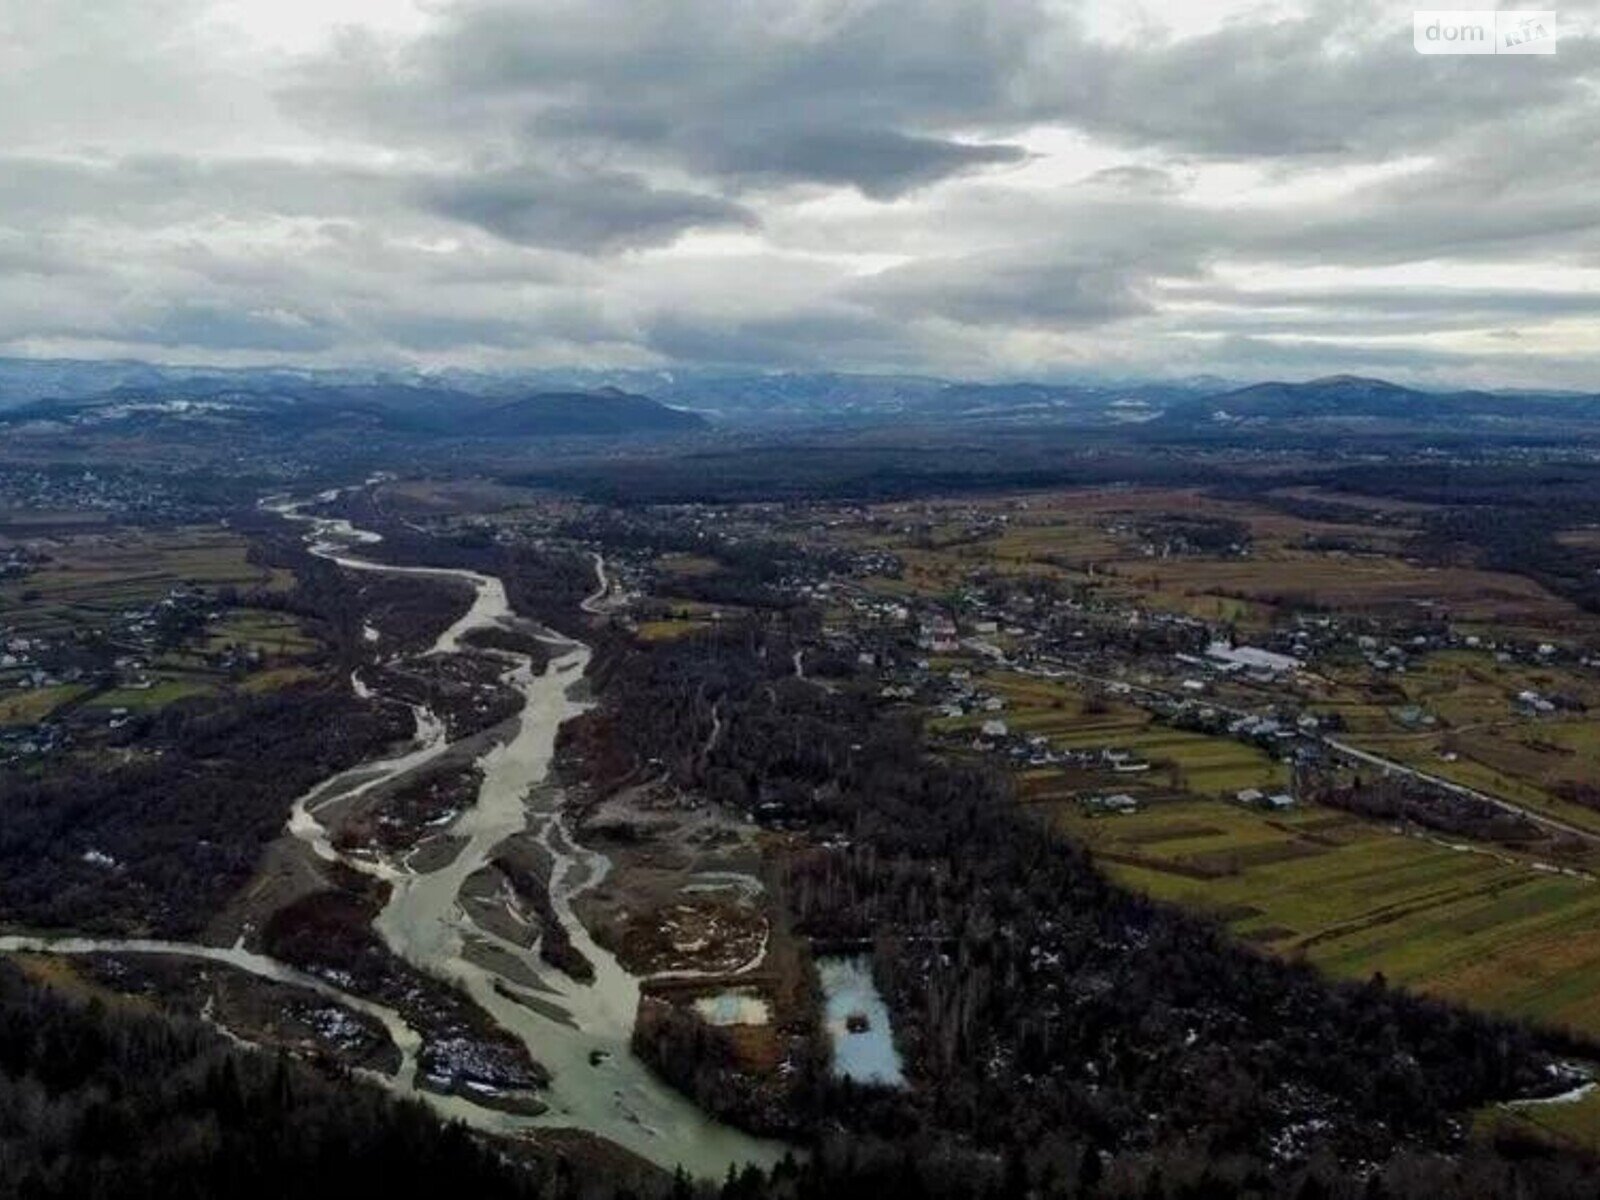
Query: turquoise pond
x=865, y=1053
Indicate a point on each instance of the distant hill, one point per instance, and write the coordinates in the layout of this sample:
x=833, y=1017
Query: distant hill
x=199, y=407
x=608, y=411
x=1353, y=401
x=776, y=399
x=555, y=402
x=1044, y=403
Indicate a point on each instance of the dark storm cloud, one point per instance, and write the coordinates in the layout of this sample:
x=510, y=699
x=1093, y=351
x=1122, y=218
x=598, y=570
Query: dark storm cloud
x=882, y=97
x=591, y=213
x=588, y=212
x=882, y=164
x=763, y=92
x=1037, y=289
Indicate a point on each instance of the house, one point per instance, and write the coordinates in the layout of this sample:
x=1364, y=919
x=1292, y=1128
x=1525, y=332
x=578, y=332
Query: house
x=1532, y=702
x=994, y=728
x=1280, y=801
x=1240, y=658
x=1121, y=802
x=938, y=634
x=1251, y=796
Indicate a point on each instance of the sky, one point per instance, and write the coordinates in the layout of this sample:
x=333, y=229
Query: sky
x=985, y=189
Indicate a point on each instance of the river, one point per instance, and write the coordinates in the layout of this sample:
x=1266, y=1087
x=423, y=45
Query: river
x=597, y=1083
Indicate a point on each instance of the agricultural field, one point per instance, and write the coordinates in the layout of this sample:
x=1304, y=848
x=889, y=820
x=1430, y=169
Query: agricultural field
x=1455, y=714
x=1354, y=897
x=21, y=523
x=1468, y=922
x=1114, y=538
x=90, y=577
x=678, y=617
x=687, y=564
x=1574, y=1124
x=667, y=629
x=277, y=646
x=479, y=498
x=1073, y=719
x=32, y=705
x=124, y=620
x=270, y=634
x=165, y=688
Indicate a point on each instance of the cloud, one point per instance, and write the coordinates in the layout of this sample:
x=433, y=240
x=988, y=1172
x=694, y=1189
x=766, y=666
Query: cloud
x=593, y=213
x=1477, y=303
x=802, y=340
x=882, y=164
x=1039, y=289
x=1339, y=78
x=873, y=96
x=232, y=327
x=910, y=185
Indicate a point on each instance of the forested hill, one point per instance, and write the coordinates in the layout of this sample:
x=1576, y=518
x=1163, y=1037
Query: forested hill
x=199, y=411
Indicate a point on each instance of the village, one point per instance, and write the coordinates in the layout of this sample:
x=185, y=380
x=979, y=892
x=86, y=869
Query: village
x=948, y=606
x=1270, y=726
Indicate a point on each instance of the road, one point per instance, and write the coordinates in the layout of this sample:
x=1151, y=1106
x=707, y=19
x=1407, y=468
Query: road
x=1553, y=824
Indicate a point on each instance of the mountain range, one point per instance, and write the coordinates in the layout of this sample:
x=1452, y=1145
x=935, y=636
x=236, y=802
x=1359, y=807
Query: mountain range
x=61, y=394
x=418, y=411
x=1356, y=403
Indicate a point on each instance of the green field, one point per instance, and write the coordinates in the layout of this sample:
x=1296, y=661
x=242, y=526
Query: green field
x=30, y=706
x=269, y=633
x=92, y=577
x=668, y=629
x=91, y=580
x=1181, y=761
x=1575, y=1124
x=164, y=690
x=1355, y=898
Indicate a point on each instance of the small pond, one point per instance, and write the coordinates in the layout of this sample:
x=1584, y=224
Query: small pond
x=858, y=1023
x=741, y=1006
